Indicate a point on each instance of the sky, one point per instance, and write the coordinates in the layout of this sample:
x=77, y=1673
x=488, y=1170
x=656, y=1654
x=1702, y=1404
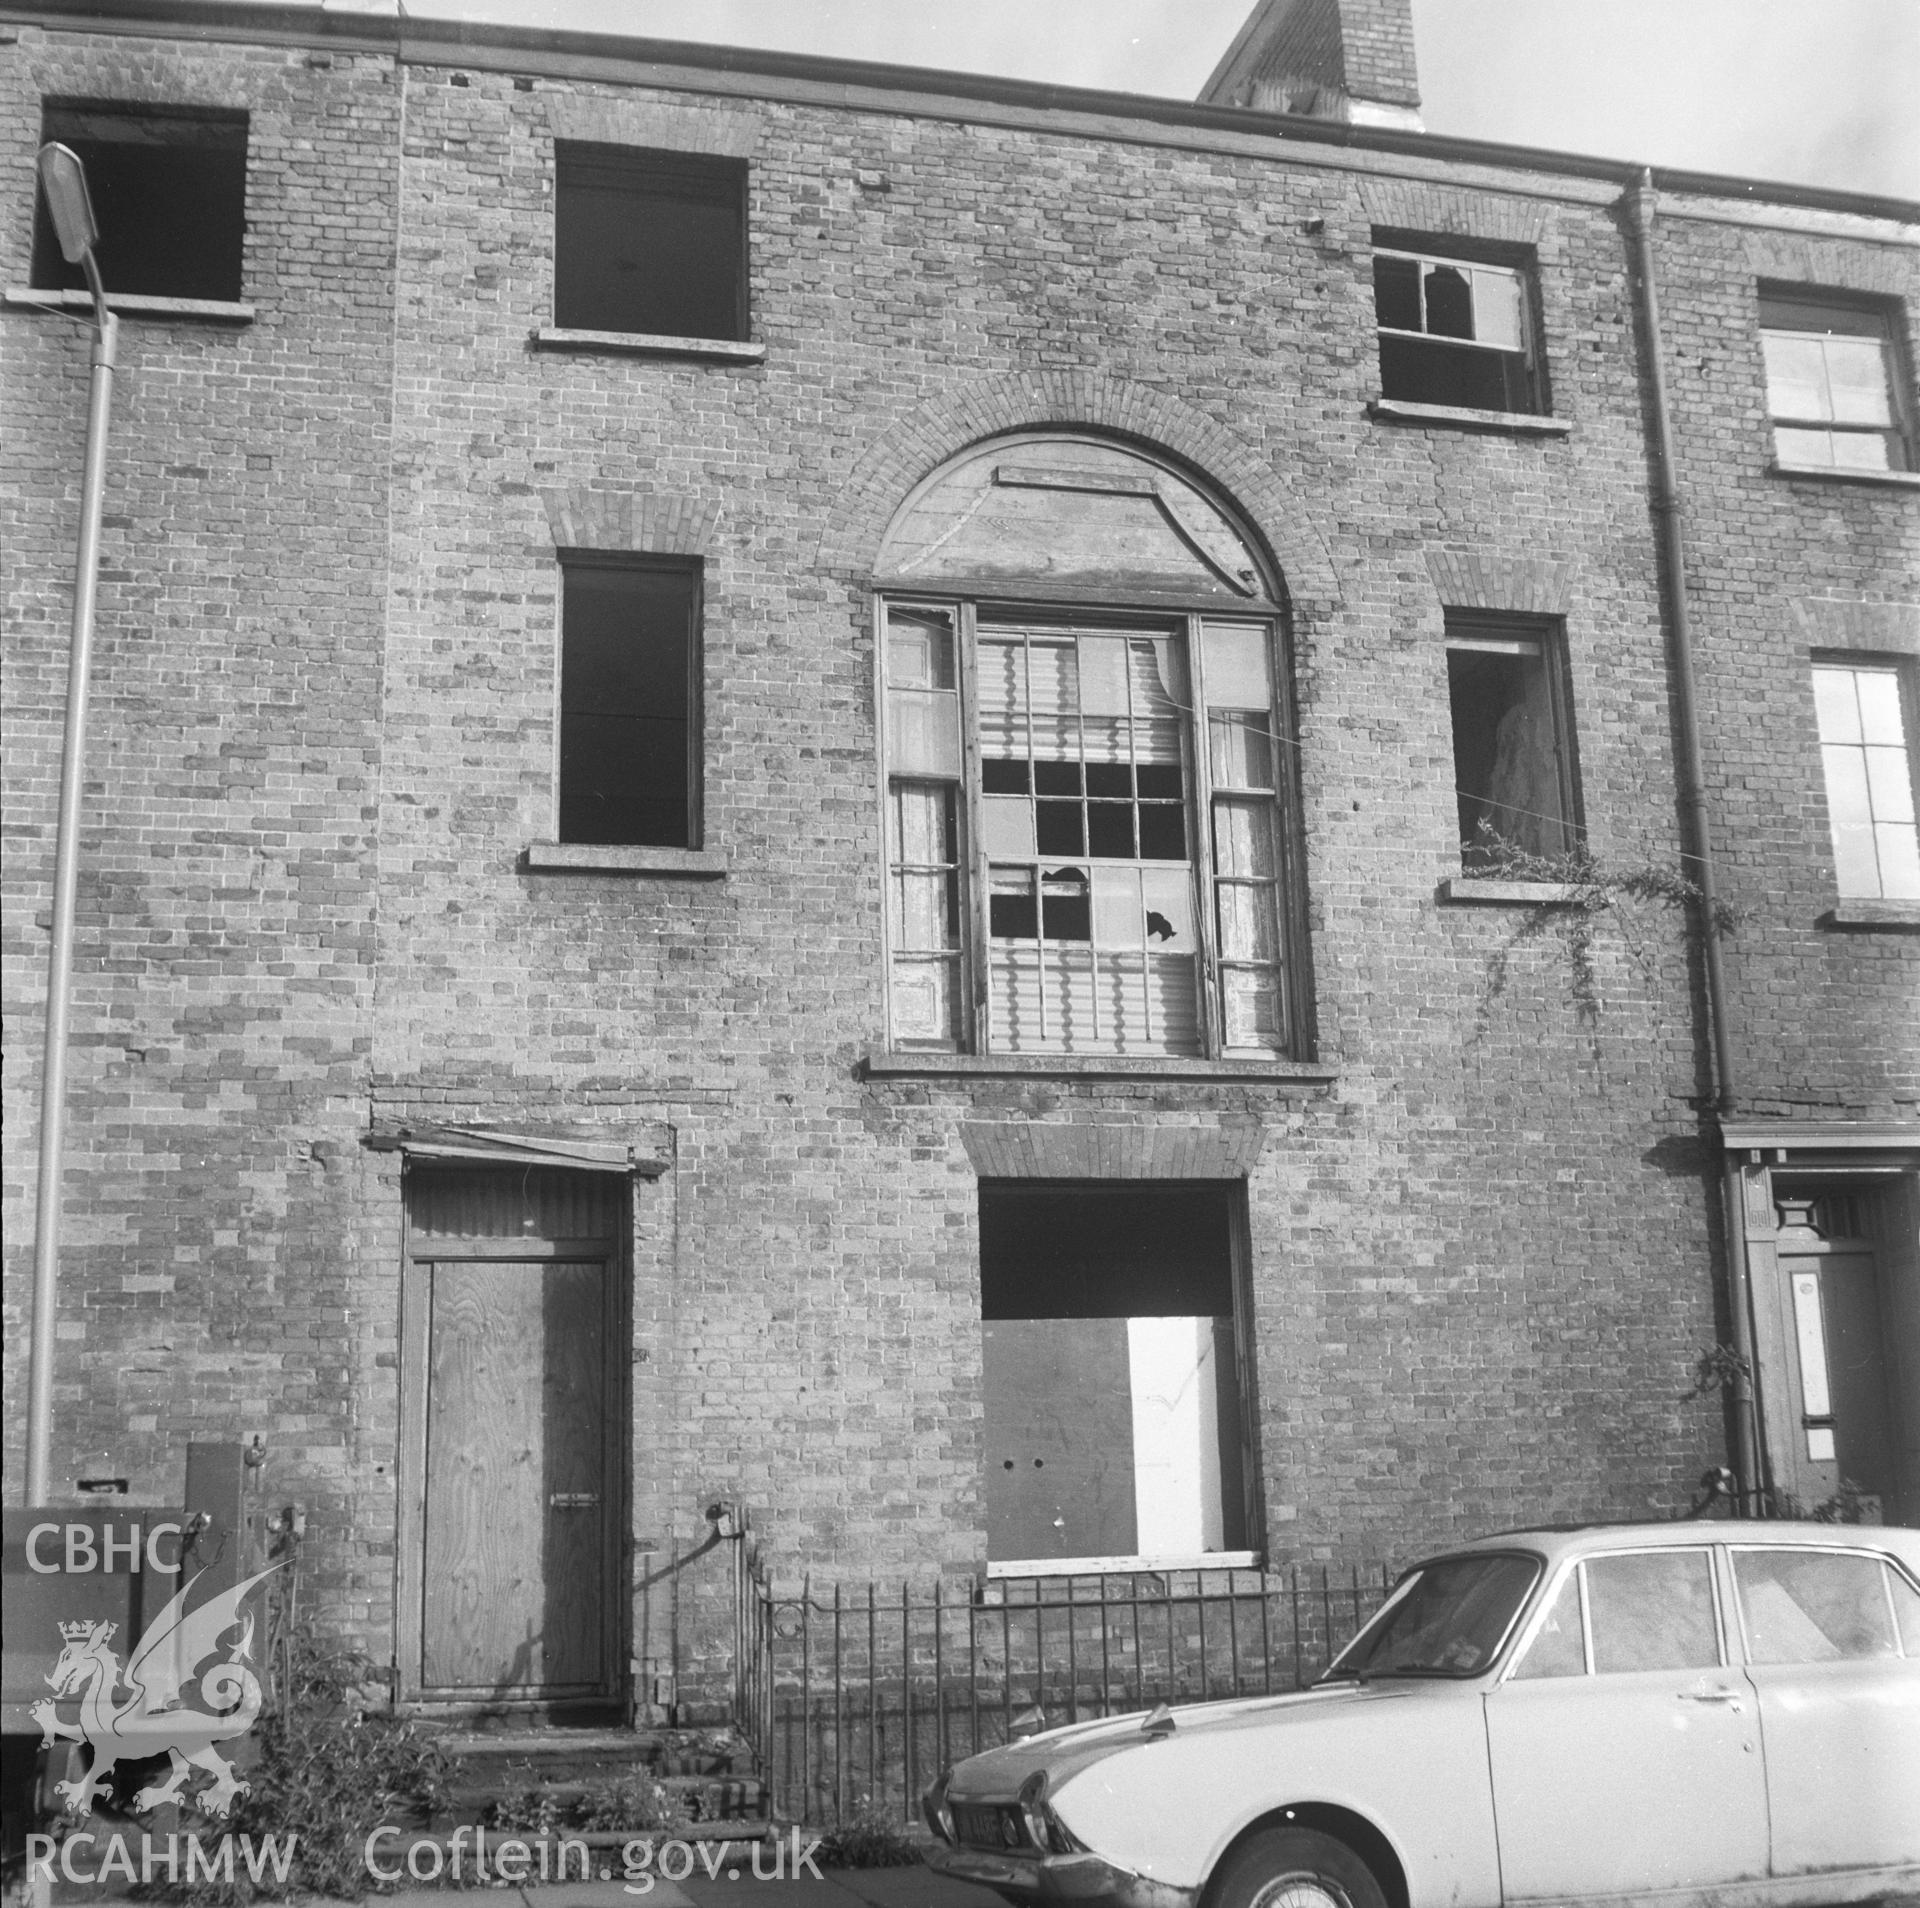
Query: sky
x=1814, y=92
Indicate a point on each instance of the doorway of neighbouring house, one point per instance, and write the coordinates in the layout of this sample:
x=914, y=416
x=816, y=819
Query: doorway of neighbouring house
x=514, y=1411
x=1850, y=1325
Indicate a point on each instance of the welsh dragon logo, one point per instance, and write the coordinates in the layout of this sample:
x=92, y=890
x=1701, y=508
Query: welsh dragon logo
x=150, y=1718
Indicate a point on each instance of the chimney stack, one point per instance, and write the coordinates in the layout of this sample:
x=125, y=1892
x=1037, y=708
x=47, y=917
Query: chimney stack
x=1350, y=60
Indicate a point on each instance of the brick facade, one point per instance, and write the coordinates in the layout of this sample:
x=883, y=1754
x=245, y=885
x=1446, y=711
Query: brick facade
x=1483, y=1210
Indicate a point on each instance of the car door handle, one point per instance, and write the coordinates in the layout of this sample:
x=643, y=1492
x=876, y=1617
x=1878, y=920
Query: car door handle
x=1731, y=1696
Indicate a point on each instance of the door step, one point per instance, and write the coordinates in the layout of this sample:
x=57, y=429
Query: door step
x=569, y=1782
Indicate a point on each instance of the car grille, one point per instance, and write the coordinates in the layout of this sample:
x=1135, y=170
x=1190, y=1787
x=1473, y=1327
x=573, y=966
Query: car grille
x=988, y=1825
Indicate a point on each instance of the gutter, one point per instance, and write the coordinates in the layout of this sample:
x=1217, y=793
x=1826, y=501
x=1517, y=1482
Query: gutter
x=1697, y=838
x=886, y=88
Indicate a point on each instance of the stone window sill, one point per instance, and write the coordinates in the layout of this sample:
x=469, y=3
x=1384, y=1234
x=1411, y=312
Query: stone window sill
x=212, y=311
x=1829, y=474
x=1019, y=1569
x=1863, y=913
x=646, y=345
x=890, y=1063
x=1509, y=894
x=581, y=857
x=1512, y=423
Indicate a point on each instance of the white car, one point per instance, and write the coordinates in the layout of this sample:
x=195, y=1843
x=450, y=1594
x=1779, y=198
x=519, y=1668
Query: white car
x=1706, y=1715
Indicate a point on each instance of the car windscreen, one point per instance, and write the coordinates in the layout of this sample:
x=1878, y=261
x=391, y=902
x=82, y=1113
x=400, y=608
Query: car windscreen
x=1444, y=1619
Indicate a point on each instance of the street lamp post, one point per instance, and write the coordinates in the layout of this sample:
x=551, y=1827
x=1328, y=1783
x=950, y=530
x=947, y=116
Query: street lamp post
x=63, y=180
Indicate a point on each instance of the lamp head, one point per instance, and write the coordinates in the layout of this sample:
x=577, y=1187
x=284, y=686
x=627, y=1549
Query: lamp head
x=64, y=180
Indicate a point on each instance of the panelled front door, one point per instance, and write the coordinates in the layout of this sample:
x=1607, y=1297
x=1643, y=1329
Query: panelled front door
x=1838, y=1349
x=512, y=1327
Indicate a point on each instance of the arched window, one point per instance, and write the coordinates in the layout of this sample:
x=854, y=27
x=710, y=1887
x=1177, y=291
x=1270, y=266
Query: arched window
x=1086, y=763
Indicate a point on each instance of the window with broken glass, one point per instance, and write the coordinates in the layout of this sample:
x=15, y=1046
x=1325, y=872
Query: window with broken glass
x=1086, y=851
x=1455, y=332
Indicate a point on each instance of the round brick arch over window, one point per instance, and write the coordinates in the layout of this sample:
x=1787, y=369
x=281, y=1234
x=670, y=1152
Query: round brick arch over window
x=1072, y=510
x=1032, y=402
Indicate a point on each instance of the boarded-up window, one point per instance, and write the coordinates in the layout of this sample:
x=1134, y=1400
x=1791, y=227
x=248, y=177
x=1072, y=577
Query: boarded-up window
x=1114, y=1423
x=650, y=242
x=169, y=193
x=629, y=701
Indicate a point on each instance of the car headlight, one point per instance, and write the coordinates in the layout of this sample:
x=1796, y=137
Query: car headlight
x=933, y=1805
x=1044, y=1828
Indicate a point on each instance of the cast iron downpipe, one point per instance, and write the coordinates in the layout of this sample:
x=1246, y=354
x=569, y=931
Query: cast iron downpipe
x=1696, y=833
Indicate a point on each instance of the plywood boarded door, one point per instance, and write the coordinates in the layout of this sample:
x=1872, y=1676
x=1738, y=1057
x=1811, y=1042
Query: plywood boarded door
x=515, y=1454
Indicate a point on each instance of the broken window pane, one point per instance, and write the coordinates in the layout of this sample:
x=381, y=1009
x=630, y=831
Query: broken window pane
x=1511, y=761
x=651, y=242
x=1114, y=1423
x=169, y=192
x=1448, y=300
x=1085, y=825
x=1065, y=913
x=1012, y=914
x=1396, y=292
x=1453, y=333
x=1102, y=786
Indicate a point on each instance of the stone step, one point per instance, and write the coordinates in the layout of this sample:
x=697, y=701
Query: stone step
x=602, y=1751
x=708, y=1775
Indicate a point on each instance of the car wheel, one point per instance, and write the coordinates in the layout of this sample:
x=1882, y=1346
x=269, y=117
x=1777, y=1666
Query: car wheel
x=1295, y=1868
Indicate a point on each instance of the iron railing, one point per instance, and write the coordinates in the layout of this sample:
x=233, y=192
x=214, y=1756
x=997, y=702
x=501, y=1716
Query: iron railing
x=855, y=1696
x=274, y=1537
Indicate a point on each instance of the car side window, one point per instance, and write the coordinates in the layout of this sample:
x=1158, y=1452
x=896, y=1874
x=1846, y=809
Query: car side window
x=1558, y=1648
x=1906, y=1610
x=1814, y=1606
x=1652, y=1610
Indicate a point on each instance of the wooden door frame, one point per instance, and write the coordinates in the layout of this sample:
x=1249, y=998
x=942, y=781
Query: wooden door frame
x=1880, y=1173
x=418, y=1258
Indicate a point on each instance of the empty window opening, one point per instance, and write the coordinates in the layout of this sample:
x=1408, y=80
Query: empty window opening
x=1114, y=1421
x=1833, y=388
x=1865, y=713
x=629, y=689
x=169, y=192
x=1512, y=751
x=1454, y=332
x=650, y=242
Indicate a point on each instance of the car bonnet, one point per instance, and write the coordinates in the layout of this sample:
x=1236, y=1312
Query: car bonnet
x=995, y=1775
